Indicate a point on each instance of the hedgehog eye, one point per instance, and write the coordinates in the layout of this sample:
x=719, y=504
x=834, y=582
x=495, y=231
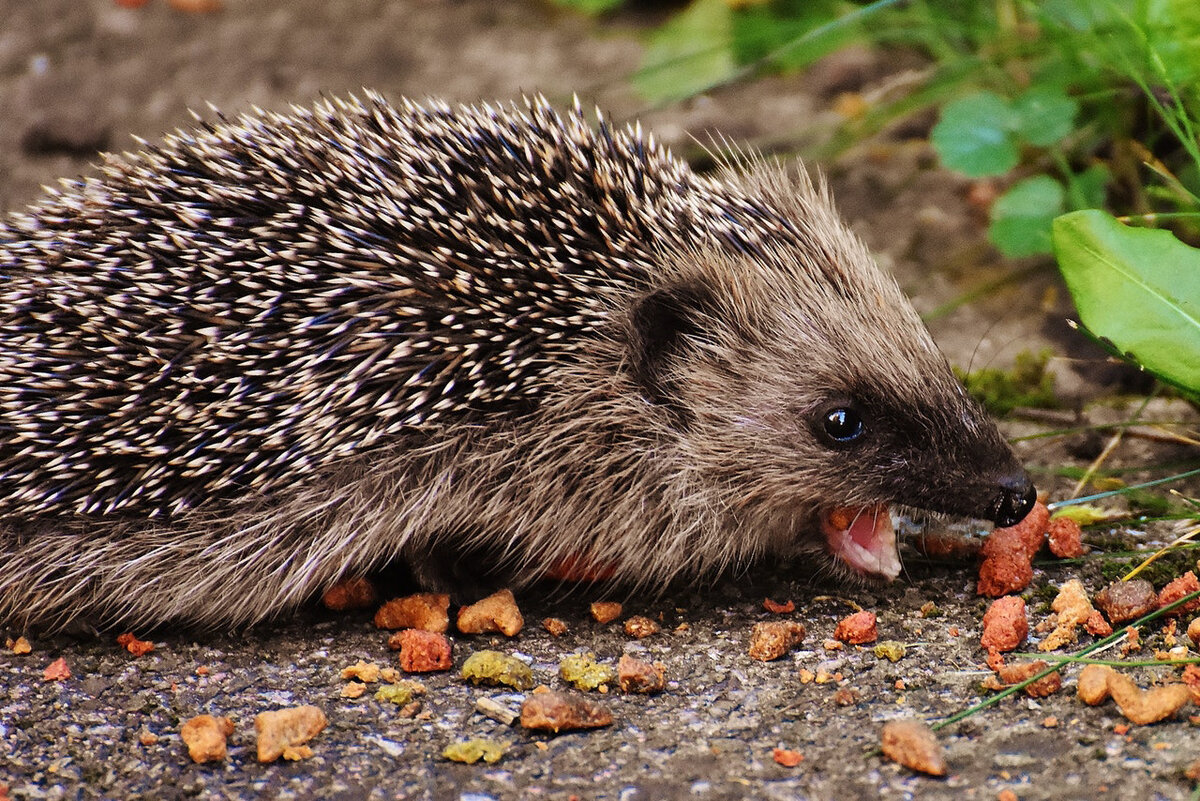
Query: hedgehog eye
x=841, y=425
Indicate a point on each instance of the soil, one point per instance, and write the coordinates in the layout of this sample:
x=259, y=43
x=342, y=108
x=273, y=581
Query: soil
x=81, y=76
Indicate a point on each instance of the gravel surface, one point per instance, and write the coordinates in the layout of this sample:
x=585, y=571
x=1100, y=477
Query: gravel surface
x=77, y=76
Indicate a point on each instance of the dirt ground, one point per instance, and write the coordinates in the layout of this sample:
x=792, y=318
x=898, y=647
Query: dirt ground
x=81, y=76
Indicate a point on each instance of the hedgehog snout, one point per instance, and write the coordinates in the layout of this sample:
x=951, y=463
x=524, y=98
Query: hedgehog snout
x=1015, y=500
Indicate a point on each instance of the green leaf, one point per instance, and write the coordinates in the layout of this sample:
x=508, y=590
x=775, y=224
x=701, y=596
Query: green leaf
x=1089, y=189
x=974, y=135
x=1022, y=216
x=781, y=31
x=1137, y=289
x=689, y=54
x=1044, y=115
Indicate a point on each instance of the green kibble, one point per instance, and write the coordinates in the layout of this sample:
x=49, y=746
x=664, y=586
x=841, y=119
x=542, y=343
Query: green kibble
x=471, y=751
x=891, y=650
x=493, y=667
x=584, y=672
x=400, y=693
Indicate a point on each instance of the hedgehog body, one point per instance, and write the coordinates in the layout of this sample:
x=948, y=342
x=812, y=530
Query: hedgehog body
x=285, y=348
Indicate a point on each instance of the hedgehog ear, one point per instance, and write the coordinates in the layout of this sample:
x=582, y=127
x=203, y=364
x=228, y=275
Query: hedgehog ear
x=659, y=323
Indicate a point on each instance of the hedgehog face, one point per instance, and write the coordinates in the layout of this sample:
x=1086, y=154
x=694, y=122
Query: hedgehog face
x=822, y=419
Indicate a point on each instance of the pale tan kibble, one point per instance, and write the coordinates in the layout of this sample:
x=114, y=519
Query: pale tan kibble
x=205, y=736
x=283, y=732
x=497, y=612
x=914, y=745
x=1092, y=685
x=427, y=611
x=605, y=611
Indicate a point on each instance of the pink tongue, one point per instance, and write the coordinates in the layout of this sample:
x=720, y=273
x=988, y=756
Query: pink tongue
x=863, y=538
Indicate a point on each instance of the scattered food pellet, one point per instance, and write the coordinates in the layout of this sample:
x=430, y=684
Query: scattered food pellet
x=353, y=689
x=148, y=738
x=857, y=628
x=891, y=650
x=1006, y=795
x=637, y=676
x=1092, y=684
x=846, y=696
x=363, y=671
x=1008, y=554
x=195, y=6
x=789, y=759
x=1004, y=624
x=19, y=646
x=351, y=593
x=1146, y=706
x=1050, y=722
x=776, y=608
x=133, y=645
x=424, y=651
x=555, y=626
x=471, y=751
x=1126, y=600
x=583, y=671
x=57, y=670
x=772, y=639
x=1096, y=625
x=605, y=611
x=1073, y=608
x=495, y=710
x=425, y=610
x=497, y=612
x=205, y=737
x=493, y=667
x=1193, y=632
x=400, y=693
x=555, y=711
x=1018, y=672
x=283, y=732
x=1004, y=574
x=640, y=627
x=913, y=744
x=1066, y=538
x=1184, y=585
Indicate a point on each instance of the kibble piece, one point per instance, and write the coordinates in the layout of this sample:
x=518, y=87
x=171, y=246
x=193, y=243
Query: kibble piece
x=773, y=638
x=1146, y=706
x=1004, y=574
x=555, y=711
x=640, y=627
x=1026, y=537
x=363, y=671
x=585, y=672
x=1184, y=585
x=1126, y=600
x=776, y=608
x=205, y=737
x=857, y=628
x=637, y=676
x=1073, y=609
x=556, y=626
x=1092, y=685
x=1004, y=624
x=424, y=651
x=352, y=593
x=1066, y=538
x=1018, y=672
x=605, y=611
x=914, y=745
x=424, y=610
x=471, y=751
x=497, y=612
x=493, y=667
x=401, y=692
x=283, y=732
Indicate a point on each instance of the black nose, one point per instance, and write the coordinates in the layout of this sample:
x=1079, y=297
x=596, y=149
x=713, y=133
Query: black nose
x=1017, y=496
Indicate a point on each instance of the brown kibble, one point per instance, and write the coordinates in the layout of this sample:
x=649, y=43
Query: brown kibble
x=1096, y=625
x=1184, y=585
x=19, y=646
x=1018, y=672
x=205, y=737
x=857, y=628
x=148, y=738
x=1146, y=706
x=639, y=627
x=637, y=676
x=353, y=689
x=424, y=610
x=1004, y=574
x=497, y=612
x=555, y=626
x=1126, y=600
x=1004, y=624
x=1092, y=685
x=557, y=711
x=283, y=732
x=846, y=696
x=776, y=608
x=914, y=745
x=789, y=759
x=1066, y=538
x=133, y=645
x=605, y=611
x=352, y=593
x=772, y=639
x=424, y=651
x=57, y=670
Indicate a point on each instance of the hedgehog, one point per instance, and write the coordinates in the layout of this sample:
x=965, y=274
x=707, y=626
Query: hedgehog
x=489, y=343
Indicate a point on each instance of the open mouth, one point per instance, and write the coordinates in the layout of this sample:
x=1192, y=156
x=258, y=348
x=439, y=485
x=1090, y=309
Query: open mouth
x=863, y=538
